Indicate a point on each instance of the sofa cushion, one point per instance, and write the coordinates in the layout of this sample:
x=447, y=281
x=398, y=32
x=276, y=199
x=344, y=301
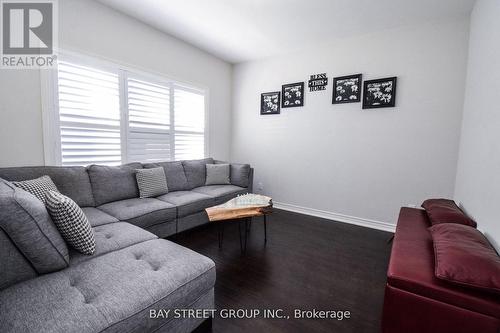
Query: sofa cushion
x=218, y=174
x=174, y=172
x=113, y=183
x=71, y=222
x=411, y=267
x=38, y=187
x=446, y=211
x=188, y=202
x=28, y=224
x=141, y=212
x=15, y=267
x=73, y=182
x=113, y=237
x=240, y=174
x=151, y=182
x=221, y=193
x=196, y=171
x=97, y=217
x=108, y=290
x=464, y=256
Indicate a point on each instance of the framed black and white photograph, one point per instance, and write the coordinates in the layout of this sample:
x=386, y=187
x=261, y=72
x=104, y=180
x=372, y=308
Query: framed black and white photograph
x=379, y=93
x=270, y=103
x=347, y=89
x=292, y=94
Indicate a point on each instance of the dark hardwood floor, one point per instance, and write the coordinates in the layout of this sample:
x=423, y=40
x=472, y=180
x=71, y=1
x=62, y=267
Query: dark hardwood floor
x=308, y=263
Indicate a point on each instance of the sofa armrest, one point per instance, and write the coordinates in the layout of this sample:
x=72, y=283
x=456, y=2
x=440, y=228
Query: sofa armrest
x=250, y=180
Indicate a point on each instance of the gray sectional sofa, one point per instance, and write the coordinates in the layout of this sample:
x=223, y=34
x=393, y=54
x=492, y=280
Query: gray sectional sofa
x=45, y=286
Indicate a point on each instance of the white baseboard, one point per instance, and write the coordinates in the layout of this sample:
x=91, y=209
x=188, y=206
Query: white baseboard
x=336, y=217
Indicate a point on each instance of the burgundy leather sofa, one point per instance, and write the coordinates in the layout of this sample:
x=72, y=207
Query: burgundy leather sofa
x=417, y=302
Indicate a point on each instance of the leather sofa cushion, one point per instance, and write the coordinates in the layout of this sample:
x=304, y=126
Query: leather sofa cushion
x=196, y=171
x=113, y=183
x=27, y=223
x=446, y=211
x=221, y=193
x=411, y=267
x=188, y=202
x=113, y=237
x=141, y=212
x=464, y=256
x=174, y=172
x=97, y=217
x=99, y=294
x=73, y=182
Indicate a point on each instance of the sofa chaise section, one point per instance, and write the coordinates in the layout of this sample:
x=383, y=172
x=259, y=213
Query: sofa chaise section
x=113, y=292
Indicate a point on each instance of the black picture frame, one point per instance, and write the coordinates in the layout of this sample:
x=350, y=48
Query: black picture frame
x=347, y=89
x=379, y=93
x=292, y=95
x=270, y=102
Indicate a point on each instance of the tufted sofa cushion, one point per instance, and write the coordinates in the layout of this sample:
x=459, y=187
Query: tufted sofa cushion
x=27, y=223
x=73, y=182
x=98, y=217
x=113, y=183
x=113, y=237
x=221, y=193
x=188, y=202
x=141, y=212
x=109, y=290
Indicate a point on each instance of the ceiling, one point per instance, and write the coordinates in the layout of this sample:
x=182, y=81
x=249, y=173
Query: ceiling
x=242, y=30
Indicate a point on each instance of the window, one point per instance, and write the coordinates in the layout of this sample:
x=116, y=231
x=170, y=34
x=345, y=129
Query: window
x=112, y=115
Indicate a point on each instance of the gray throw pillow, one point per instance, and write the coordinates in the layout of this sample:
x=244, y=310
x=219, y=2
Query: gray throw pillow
x=218, y=174
x=151, y=182
x=38, y=187
x=71, y=222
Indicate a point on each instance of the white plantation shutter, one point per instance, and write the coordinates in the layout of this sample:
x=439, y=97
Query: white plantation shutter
x=148, y=138
x=89, y=115
x=189, y=125
x=111, y=115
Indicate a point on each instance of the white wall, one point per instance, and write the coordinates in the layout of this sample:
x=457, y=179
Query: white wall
x=478, y=176
x=94, y=29
x=340, y=159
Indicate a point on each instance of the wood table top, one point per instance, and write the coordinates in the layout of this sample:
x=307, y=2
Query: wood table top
x=243, y=206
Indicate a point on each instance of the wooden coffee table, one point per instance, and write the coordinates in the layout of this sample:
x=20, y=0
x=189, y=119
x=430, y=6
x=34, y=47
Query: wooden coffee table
x=241, y=209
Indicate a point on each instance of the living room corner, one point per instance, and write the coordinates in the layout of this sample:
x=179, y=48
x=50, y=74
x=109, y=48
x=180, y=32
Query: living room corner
x=242, y=166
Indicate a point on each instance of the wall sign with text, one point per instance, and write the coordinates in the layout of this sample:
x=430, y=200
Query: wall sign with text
x=317, y=82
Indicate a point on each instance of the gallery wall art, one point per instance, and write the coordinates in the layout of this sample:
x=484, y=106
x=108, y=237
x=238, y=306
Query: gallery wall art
x=270, y=103
x=379, y=93
x=347, y=89
x=292, y=94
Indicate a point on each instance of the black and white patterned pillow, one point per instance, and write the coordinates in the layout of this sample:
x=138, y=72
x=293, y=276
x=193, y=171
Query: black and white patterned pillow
x=151, y=182
x=71, y=222
x=38, y=187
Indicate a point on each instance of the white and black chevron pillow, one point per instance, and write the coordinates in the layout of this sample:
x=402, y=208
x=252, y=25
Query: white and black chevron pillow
x=71, y=222
x=38, y=187
x=151, y=182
